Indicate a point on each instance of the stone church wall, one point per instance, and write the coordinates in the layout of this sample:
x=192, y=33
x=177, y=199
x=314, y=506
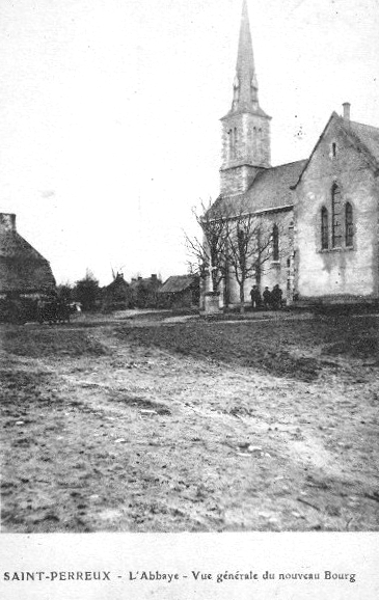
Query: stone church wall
x=273, y=272
x=343, y=272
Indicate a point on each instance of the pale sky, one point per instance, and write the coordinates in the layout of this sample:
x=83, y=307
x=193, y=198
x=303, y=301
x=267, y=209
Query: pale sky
x=109, y=113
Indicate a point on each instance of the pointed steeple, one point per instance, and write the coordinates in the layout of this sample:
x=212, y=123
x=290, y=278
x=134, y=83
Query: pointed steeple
x=245, y=86
x=246, y=139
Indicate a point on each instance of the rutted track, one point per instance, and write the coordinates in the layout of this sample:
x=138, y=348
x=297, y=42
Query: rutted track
x=190, y=426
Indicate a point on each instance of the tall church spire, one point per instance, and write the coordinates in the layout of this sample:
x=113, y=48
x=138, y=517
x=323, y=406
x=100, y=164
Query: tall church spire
x=245, y=84
x=246, y=127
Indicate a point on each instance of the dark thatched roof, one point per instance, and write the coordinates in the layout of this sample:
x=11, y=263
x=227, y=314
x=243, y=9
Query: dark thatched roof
x=118, y=284
x=22, y=268
x=152, y=283
x=178, y=283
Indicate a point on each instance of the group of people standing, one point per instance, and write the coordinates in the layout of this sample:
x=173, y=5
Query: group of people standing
x=269, y=300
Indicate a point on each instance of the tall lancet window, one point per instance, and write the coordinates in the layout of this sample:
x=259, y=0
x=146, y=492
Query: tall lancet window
x=275, y=243
x=230, y=144
x=336, y=217
x=324, y=228
x=349, y=225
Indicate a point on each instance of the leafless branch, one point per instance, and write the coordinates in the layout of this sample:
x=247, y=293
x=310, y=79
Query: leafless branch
x=210, y=252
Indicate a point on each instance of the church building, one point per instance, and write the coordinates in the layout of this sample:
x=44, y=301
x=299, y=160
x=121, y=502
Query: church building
x=322, y=212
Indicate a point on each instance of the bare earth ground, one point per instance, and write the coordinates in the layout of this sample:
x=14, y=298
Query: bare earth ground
x=157, y=425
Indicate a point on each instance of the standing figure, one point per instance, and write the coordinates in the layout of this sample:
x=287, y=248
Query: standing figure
x=277, y=296
x=267, y=300
x=256, y=299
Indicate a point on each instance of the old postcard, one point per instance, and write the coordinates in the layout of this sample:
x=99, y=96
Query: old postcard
x=189, y=299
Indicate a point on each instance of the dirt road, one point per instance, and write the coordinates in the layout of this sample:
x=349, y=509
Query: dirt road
x=199, y=426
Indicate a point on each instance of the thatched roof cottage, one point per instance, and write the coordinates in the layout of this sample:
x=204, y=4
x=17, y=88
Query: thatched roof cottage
x=23, y=270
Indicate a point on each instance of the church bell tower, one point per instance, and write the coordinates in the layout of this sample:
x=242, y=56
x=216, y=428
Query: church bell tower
x=246, y=127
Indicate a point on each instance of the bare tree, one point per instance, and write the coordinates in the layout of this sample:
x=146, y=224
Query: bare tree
x=208, y=255
x=249, y=244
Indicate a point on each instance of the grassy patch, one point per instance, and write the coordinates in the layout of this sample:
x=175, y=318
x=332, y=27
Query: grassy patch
x=280, y=348
x=19, y=388
x=54, y=341
x=364, y=347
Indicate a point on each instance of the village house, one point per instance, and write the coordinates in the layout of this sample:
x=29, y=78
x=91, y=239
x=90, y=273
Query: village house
x=144, y=291
x=117, y=295
x=180, y=291
x=321, y=214
x=24, y=272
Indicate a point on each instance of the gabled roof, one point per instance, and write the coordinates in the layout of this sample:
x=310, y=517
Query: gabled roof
x=12, y=245
x=368, y=137
x=22, y=268
x=364, y=137
x=270, y=191
x=118, y=284
x=147, y=282
x=177, y=283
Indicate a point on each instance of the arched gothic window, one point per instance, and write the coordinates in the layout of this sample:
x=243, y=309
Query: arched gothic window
x=336, y=217
x=275, y=243
x=349, y=226
x=232, y=142
x=324, y=228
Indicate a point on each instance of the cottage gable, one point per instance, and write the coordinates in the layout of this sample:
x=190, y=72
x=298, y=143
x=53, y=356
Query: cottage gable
x=178, y=283
x=180, y=291
x=23, y=270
